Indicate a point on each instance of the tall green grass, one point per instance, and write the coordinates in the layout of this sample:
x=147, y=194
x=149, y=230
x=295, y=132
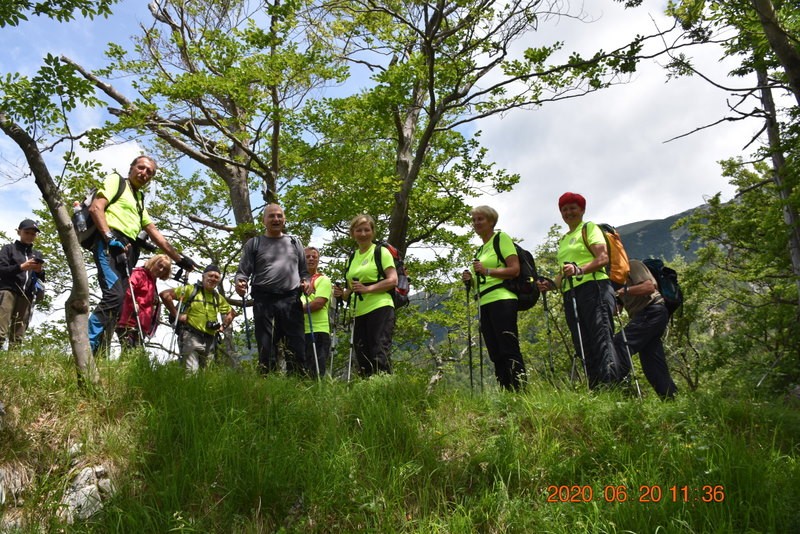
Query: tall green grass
x=233, y=452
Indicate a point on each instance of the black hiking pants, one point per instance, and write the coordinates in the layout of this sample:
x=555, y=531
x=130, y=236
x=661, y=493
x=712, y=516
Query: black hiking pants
x=277, y=317
x=499, y=329
x=372, y=340
x=596, y=304
x=644, y=333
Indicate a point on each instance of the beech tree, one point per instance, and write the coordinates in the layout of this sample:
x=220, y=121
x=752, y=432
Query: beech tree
x=34, y=115
x=440, y=66
x=747, y=30
x=755, y=239
x=220, y=83
x=13, y=12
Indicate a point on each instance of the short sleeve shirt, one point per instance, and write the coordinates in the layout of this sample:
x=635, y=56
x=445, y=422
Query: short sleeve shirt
x=363, y=267
x=639, y=273
x=319, y=318
x=571, y=249
x=123, y=215
x=203, y=308
x=488, y=257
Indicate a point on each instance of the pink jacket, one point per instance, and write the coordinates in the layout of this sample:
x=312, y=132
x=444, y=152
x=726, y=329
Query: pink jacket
x=144, y=287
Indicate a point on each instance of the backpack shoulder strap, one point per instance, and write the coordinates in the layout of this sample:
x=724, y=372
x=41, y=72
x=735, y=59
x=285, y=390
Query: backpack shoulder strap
x=254, y=251
x=349, y=262
x=379, y=260
x=186, y=303
x=496, y=245
x=123, y=182
x=585, y=236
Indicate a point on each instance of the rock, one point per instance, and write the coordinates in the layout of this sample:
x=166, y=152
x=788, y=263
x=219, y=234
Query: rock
x=14, y=477
x=84, y=496
x=81, y=503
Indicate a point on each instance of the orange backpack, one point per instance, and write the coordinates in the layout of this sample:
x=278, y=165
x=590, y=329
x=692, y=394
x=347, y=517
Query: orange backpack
x=618, y=265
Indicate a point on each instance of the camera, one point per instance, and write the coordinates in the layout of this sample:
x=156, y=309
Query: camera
x=212, y=325
x=38, y=260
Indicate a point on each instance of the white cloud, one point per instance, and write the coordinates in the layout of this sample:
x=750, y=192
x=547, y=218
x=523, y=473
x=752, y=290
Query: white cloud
x=610, y=146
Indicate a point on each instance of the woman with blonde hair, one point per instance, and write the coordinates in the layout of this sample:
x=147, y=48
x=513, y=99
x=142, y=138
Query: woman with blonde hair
x=372, y=303
x=498, y=305
x=143, y=282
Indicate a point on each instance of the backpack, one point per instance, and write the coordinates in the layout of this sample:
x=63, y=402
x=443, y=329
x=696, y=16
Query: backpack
x=667, y=281
x=87, y=237
x=618, y=265
x=401, y=290
x=524, y=284
x=197, y=286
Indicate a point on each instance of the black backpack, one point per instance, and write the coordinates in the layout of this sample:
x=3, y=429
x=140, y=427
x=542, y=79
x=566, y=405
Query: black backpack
x=667, y=280
x=524, y=284
x=401, y=290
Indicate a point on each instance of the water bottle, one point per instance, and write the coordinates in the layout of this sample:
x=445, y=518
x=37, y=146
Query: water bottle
x=78, y=219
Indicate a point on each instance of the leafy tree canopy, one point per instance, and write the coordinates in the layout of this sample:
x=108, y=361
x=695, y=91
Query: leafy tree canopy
x=13, y=12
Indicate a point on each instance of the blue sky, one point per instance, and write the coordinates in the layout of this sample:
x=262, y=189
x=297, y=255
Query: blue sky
x=608, y=146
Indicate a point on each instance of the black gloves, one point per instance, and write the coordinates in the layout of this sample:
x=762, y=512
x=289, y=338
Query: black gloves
x=186, y=263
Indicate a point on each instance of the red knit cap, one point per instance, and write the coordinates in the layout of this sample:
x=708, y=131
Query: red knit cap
x=571, y=198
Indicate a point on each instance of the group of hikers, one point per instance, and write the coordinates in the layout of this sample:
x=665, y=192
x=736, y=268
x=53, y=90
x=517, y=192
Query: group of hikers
x=590, y=304
x=291, y=297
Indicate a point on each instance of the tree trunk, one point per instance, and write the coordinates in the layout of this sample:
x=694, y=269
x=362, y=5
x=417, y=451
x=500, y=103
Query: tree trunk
x=790, y=215
x=77, y=305
x=779, y=41
x=408, y=162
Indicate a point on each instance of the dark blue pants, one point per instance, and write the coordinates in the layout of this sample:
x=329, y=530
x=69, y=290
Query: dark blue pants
x=499, y=329
x=644, y=333
x=279, y=317
x=596, y=305
x=112, y=275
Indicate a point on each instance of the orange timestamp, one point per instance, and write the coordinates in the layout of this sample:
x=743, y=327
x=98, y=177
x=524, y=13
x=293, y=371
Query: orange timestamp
x=646, y=493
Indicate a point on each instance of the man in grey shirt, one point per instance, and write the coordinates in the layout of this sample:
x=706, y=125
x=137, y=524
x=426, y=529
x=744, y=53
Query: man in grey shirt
x=276, y=264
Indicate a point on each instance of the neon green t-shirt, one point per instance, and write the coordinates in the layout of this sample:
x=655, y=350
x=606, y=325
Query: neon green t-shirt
x=571, y=248
x=488, y=257
x=363, y=267
x=319, y=318
x=123, y=215
x=203, y=308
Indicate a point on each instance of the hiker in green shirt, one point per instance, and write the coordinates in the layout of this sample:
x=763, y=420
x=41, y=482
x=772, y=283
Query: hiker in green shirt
x=498, y=305
x=115, y=250
x=373, y=325
x=315, y=311
x=204, y=314
x=589, y=301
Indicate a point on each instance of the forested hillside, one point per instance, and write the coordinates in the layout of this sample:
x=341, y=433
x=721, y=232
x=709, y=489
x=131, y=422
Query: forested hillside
x=659, y=238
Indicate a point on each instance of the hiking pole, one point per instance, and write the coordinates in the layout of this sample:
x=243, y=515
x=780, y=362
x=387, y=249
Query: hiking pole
x=480, y=334
x=352, y=330
x=336, y=313
x=135, y=307
x=769, y=370
x=246, y=324
x=313, y=341
x=578, y=328
x=628, y=350
x=468, y=286
x=180, y=277
x=547, y=328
